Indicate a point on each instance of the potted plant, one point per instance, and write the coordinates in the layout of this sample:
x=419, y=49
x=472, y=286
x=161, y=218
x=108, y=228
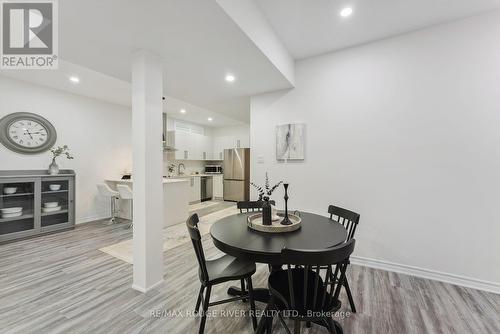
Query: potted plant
x=56, y=152
x=264, y=194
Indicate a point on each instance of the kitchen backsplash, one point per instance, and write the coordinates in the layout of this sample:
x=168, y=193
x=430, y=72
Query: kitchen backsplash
x=191, y=166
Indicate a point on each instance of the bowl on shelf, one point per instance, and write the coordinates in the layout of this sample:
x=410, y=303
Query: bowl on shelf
x=50, y=204
x=12, y=215
x=9, y=190
x=15, y=209
x=51, y=209
x=54, y=187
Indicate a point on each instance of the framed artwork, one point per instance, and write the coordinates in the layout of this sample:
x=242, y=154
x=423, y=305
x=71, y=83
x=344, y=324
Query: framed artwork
x=290, y=141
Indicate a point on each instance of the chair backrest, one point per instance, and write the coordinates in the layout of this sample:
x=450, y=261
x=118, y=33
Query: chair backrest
x=306, y=289
x=105, y=190
x=247, y=206
x=125, y=191
x=194, y=233
x=348, y=219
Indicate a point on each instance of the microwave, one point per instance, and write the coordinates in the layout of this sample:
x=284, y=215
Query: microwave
x=213, y=169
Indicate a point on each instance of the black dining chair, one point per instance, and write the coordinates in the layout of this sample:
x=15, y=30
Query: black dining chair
x=217, y=271
x=250, y=206
x=350, y=221
x=299, y=291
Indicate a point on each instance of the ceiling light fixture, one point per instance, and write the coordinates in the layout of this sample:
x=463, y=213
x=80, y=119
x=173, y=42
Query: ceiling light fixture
x=210, y=119
x=346, y=12
x=183, y=111
x=230, y=78
x=74, y=79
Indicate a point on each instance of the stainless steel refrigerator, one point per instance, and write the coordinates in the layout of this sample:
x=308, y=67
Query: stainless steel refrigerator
x=236, y=171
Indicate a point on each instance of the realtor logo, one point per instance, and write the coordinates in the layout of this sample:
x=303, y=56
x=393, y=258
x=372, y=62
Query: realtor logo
x=29, y=34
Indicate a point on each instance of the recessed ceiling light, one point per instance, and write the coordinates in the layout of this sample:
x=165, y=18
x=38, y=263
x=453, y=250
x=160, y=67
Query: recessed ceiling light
x=183, y=111
x=230, y=78
x=210, y=119
x=74, y=79
x=346, y=12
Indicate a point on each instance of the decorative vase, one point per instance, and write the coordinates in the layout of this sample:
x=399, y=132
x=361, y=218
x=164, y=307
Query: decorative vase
x=53, y=167
x=266, y=212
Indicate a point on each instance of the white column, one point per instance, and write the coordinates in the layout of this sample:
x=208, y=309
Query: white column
x=147, y=90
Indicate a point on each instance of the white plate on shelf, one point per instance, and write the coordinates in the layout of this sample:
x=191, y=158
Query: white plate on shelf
x=54, y=187
x=52, y=209
x=50, y=204
x=11, y=210
x=9, y=190
x=12, y=215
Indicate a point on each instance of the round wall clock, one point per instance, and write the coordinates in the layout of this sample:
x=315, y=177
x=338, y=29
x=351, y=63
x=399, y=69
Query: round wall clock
x=27, y=133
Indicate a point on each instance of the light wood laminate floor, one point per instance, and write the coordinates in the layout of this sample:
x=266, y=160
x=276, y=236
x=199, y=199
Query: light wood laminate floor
x=62, y=283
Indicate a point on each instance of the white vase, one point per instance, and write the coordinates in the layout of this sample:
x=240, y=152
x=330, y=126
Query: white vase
x=53, y=167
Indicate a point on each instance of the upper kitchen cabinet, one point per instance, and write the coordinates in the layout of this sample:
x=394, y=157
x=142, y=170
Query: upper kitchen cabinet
x=192, y=143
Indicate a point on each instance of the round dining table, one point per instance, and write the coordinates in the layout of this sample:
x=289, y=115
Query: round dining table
x=232, y=236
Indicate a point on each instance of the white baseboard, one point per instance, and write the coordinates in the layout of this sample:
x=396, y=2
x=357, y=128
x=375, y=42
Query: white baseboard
x=428, y=274
x=88, y=219
x=144, y=290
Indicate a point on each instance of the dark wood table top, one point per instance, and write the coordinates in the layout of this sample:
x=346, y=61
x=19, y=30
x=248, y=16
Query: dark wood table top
x=232, y=236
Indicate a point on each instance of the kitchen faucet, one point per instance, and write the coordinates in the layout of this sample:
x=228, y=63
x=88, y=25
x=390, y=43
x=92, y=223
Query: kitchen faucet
x=179, y=169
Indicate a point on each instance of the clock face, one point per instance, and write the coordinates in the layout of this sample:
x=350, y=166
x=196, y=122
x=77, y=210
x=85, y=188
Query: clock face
x=28, y=133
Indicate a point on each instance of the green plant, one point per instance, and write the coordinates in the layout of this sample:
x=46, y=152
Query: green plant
x=266, y=191
x=60, y=150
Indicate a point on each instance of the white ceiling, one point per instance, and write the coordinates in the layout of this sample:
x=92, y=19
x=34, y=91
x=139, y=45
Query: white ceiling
x=313, y=27
x=197, y=41
x=106, y=88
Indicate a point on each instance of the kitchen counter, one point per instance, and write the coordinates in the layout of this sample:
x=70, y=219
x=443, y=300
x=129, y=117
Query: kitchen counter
x=175, y=199
x=187, y=176
x=165, y=180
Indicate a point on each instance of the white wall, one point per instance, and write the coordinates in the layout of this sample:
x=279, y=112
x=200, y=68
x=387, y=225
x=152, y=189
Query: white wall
x=98, y=134
x=406, y=132
x=237, y=130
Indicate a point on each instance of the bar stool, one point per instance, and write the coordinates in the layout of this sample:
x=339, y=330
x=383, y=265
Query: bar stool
x=126, y=193
x=106, y=191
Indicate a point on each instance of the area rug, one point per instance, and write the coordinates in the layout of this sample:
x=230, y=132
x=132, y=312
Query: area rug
x=173, y=236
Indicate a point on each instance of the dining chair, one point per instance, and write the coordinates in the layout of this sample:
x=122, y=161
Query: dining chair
x=212, y=272
x=299, y=292
x=248, y=206
x=350, y=220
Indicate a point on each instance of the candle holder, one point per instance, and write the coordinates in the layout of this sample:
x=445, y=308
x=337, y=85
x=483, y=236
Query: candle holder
x=286, y=220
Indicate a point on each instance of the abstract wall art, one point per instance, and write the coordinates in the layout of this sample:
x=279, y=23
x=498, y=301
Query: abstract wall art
x=290, y=141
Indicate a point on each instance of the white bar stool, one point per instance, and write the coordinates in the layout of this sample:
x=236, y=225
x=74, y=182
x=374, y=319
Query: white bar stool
x=106, y=191
x=126, y=193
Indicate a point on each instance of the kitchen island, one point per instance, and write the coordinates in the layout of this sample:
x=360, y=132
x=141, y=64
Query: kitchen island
x=175, y=200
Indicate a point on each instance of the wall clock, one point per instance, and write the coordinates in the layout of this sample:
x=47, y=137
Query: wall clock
x=27, y=133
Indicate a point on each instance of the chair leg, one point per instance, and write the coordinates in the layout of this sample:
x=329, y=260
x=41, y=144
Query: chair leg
x=252, y=303
x=200, y=297
x=332, y=329
x=243, y=288
x=349, y=295
x=296, y=327
x=205, y=309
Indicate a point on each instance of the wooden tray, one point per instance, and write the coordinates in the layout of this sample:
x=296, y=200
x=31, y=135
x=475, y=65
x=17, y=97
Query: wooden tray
x=255, y=223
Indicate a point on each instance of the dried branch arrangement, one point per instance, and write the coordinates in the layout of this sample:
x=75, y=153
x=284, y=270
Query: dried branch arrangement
x=266, y=191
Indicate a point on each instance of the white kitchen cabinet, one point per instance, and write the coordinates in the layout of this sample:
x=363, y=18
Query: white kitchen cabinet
x=207, y=148
x=194, y=189
x=218, y=186
x=183, y=145
x=218, y=148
